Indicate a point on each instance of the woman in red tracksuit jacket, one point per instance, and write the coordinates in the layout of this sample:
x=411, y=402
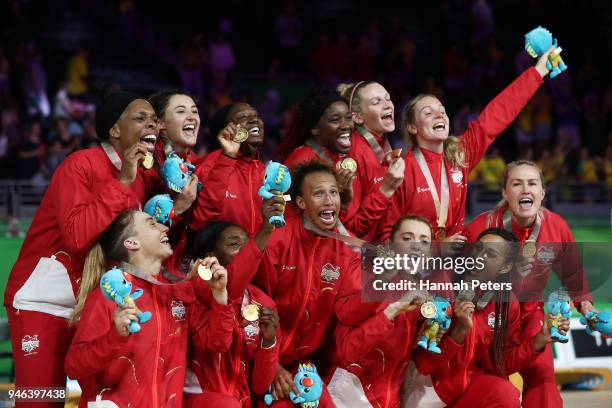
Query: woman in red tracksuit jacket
x=523, y=193
x=440, y=195
x=86, y=193
x=233, y=174
x=482, y=346
x=373, y=115
x=321, y=128
x=251, y=362
x=179, y=124
x=146, y=368
x=312, y=278
x=373, y=357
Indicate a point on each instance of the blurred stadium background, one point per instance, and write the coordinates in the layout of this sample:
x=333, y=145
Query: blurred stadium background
x=58, y=57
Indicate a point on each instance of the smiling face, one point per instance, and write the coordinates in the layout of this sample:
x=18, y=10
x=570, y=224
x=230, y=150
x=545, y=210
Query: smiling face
x=137, y=123
x=428, y=122
x=524, y=193
x=334, y=128
x=181, y=121
x=247, y=117
x=148, y=239
x=319, y=199
x=376, y=109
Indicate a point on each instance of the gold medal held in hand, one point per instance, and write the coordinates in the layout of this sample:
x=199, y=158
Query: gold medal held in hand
x=147, y=163
x=529, y=249
x=205, y=272
x=348, y=163
x=396, y=153
x=250, y=312
x=428, y=310
x=440, y=234
x=241, y=135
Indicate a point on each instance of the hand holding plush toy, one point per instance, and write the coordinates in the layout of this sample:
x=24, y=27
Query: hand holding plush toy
x=277, y=181
x=559, y=305
x=309, y=385
x=537, y=42
x=115, y=287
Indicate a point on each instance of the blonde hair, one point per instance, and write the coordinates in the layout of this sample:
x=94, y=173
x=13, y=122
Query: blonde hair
x=351, y=93
x=453, y=151
x=108, y=248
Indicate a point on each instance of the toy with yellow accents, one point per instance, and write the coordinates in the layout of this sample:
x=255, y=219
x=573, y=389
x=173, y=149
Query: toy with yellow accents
x=277, y=181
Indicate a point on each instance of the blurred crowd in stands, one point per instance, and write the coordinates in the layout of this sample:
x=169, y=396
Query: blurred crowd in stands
x=462, y=51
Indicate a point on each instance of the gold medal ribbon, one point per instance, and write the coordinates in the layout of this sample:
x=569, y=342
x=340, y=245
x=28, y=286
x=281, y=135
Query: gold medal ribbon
x=535, y=232
x=378, y=151
x=111, y=154
x=441, y=204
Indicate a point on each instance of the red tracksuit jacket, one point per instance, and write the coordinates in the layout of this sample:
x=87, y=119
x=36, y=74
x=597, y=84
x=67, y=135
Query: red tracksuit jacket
x=453, y=369
x=363, y=212
x=145, y=369
x=229, y=191
x=556, y=250
x=83, y=198
x=246, y=363
x=378, y=352
x=370, y=173
x=413, y=196
x=311, y=279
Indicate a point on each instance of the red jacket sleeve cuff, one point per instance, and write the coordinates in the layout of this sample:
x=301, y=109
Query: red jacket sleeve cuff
x=533, y=73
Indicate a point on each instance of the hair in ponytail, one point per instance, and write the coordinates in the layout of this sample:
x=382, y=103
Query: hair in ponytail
x=502, y=299
x=108, y=249
x=453, y=151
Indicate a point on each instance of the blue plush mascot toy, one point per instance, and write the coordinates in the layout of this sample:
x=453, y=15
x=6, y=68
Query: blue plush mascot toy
x=602, y=321
x=441, y=320
x=161, y=207
x=116, y=288
x=175, y=172
x=559, y=305
x=277, y=181
x=308, y=383
x=537, y=42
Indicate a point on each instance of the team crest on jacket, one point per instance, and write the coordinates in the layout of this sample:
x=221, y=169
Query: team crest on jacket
x=457, y=176
x=546, y=255
x=29, y=343
x=178, y=309
x=330, y=273
x=252, y=329
x=491, y=320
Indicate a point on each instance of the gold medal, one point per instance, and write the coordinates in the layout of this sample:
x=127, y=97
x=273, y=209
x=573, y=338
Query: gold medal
x=147, y=163
x=250, y=312
x=428, y=310
x=204, y=272
x=241, y=135
x=348, y=164
x=440, y=234
x=396, y=153
x=529, y=249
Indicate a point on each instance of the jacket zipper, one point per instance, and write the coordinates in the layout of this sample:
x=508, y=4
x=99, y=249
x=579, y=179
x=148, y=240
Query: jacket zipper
x=251, y=198
x=304, y=300
x=157, y=347
x=470, y=349
x=237, y=361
